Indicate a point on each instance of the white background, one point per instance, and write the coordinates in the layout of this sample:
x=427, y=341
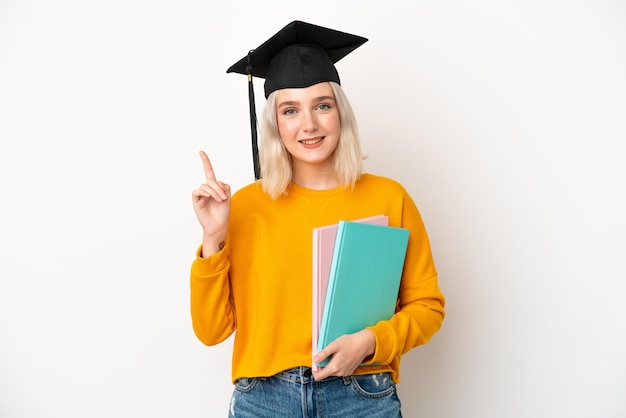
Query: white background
x=504, y=119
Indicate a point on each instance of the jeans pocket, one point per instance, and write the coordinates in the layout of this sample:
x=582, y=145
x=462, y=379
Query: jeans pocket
x=378, y=385
x=246, y=384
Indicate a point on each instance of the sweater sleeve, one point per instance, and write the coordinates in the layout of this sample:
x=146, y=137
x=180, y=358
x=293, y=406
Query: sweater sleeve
x=212, y=308
x=420, y=309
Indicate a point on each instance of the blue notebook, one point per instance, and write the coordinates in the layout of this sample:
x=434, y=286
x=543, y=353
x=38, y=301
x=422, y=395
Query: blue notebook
x=364, y=279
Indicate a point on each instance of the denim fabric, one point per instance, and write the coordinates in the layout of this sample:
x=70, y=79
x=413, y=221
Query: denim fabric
x=294, y=393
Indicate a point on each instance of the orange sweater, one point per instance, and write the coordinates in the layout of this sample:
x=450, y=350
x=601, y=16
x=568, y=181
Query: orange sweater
x=259, y=285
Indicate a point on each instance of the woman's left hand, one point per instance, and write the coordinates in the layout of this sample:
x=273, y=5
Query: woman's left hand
x=348, y=351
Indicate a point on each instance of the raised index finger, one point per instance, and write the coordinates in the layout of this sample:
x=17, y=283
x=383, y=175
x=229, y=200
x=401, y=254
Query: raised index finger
x=208, y=168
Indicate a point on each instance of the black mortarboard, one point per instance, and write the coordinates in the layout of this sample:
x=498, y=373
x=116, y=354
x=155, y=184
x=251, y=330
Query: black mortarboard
x=299, y=55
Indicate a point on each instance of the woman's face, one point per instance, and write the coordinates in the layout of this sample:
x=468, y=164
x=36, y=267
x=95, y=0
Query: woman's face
x=309, y=123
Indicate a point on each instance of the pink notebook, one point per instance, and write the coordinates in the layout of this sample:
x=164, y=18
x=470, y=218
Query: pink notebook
x=323, y=248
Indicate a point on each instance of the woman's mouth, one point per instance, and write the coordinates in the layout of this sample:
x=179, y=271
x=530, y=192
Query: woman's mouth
x=312, y=141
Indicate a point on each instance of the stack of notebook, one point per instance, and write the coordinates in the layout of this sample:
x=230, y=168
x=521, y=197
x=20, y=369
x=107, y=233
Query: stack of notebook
x=357, y=267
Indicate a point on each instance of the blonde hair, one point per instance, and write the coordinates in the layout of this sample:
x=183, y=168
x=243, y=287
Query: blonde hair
x=276, y=163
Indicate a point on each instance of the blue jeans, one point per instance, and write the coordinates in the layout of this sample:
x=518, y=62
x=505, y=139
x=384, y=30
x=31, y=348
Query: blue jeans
x=294, y=393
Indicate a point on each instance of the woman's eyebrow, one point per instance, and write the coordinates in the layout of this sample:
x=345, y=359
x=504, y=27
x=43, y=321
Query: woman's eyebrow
x=288, y=103
x=324, y=98
x=295, y=102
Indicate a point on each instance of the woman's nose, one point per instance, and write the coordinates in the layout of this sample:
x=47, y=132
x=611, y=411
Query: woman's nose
x=309, y=122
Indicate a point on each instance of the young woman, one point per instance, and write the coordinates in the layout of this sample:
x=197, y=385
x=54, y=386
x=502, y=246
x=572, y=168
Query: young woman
x=252, y=274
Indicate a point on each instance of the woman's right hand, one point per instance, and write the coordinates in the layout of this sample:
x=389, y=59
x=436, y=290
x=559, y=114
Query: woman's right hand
x=211, y=202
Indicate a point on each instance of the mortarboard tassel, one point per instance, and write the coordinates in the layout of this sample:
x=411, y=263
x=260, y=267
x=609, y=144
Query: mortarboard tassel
x=253, y=125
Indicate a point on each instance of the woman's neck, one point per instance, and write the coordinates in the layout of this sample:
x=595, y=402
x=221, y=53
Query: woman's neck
x=314, y=177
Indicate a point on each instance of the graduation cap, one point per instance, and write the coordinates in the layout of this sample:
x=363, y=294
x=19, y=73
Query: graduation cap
x=299, y=55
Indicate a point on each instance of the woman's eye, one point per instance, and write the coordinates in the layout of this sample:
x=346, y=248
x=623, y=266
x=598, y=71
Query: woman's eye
x=289, y=111
x=323, y=106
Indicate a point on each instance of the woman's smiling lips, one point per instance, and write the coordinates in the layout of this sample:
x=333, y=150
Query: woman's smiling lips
x=312, y=142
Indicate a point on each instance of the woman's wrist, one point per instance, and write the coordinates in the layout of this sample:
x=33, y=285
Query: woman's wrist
x=212, y=245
